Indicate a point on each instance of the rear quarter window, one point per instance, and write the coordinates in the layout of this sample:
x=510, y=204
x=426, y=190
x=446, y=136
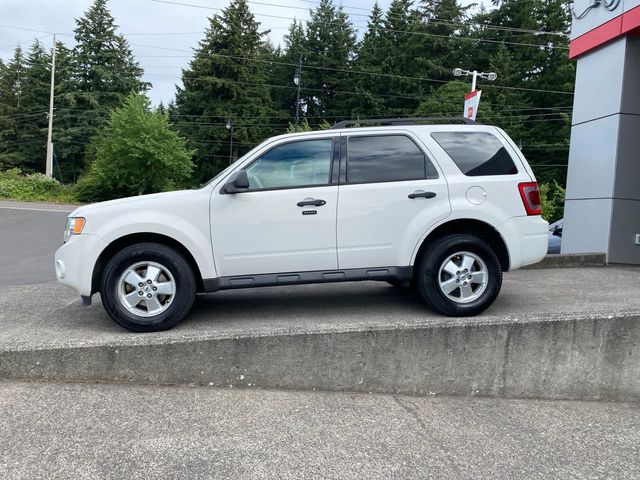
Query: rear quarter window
x=476, y=153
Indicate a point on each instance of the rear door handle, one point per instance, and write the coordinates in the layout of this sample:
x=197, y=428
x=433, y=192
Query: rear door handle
x=422, y=194
x=307, y=202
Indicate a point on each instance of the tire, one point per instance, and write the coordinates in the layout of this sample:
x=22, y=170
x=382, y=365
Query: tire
x=160, y=269
x=462, y=293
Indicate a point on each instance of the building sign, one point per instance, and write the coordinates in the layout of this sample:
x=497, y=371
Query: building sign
x=610, y=5
x=471, y=102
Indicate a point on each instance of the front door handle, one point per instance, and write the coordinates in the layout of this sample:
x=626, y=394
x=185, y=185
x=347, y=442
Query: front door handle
x=307, y=202
x=422, y=194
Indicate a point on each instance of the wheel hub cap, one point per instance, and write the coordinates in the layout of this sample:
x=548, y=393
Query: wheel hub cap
x=146, y=289
x=463, y=277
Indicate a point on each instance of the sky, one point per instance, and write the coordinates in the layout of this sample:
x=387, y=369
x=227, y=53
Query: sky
x=149, y=24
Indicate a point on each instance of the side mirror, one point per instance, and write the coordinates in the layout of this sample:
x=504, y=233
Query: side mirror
x=238, y=182
x=557, y=231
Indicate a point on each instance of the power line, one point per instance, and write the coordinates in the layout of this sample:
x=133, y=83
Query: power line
x=267, y=15
x=340, y=70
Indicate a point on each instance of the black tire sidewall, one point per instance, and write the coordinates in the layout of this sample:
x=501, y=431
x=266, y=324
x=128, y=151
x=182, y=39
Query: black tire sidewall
x=165, y=256
x=429, y=268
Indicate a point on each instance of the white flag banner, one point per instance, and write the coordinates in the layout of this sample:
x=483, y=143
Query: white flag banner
x=471, y=103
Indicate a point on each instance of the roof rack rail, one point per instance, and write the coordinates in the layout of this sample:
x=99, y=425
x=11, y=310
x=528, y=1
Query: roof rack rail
x=401, y=121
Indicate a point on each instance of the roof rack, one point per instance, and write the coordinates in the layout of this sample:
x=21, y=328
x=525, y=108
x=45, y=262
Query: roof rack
x=401, y=121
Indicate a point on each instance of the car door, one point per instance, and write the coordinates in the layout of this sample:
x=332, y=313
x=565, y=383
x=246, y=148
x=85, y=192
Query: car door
x=286, y=220
x=390, y=194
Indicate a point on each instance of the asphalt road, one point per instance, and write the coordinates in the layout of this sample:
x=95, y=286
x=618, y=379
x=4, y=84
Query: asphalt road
x=83, y=431
x=29, y=236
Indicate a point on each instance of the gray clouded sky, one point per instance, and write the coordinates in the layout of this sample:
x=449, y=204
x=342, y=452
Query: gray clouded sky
x=142, y=22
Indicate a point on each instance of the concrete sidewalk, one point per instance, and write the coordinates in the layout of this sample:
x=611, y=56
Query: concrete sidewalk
x=553, y=334
x=84, y=431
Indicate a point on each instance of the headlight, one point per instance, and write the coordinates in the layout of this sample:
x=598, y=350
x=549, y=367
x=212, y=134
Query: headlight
x=74, y=227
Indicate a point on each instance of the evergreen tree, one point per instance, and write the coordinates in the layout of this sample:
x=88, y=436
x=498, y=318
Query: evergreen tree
x=64, y=116
x=104, y=73
x=536, y=119
x=223, y=80
x=35, y=97
x=441, y=52
x=370, y=58
x=283, y=68
x=12, y=113
x=329, y=48
x=402, y=41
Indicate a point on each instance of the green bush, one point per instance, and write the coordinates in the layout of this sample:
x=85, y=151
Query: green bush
x=552, y=196
x=136, y=153
x=15, y=185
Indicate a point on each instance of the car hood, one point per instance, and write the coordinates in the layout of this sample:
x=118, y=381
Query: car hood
x=156, y=200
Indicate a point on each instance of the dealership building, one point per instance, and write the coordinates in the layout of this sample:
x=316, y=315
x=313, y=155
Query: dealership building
x=602, y=209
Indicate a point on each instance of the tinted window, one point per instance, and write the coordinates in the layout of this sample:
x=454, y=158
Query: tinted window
x=292, y=165
x=476, y=153
x=387, y=158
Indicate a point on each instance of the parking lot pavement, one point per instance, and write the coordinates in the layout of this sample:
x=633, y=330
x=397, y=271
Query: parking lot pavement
x=50, y=430
x=29, y=236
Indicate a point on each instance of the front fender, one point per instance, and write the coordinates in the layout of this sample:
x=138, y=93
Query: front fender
x=195, y=238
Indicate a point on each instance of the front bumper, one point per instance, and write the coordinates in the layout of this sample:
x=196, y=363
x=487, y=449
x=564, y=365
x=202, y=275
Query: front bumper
x=526, y=239
x=75, y=261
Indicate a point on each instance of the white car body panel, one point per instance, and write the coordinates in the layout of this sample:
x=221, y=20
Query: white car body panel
x=265, y=232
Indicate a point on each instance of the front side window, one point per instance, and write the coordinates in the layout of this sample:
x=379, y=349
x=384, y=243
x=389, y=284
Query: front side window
x=386, y=158
x=476, y=153
x=296, y=164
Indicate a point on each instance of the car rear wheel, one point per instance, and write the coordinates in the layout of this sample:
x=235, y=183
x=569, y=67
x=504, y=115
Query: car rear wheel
x=459, y=275
x=147, y=287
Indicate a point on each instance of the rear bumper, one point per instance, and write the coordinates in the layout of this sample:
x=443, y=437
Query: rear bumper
x=526, y=239
x=75, y=260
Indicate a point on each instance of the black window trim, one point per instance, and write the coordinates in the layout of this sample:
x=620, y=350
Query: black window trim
x=344, y=158
x=333, y=139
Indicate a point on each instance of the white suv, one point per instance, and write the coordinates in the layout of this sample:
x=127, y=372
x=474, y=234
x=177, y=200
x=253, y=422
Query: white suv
x=444, y=208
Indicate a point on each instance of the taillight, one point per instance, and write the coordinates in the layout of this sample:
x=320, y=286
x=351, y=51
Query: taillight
x=530, y=197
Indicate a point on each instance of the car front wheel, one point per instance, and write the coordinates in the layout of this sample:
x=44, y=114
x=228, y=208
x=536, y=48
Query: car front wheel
x=459, y=275
x=147, y=287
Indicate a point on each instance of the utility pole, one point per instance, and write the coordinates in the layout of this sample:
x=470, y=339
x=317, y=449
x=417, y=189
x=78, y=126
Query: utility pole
x=297, y=79
x=230, y=128
x=49, y=162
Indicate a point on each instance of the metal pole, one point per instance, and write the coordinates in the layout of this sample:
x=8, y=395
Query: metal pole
x=49, y=160
x=473, y=82
x=299, y=74
x=231, y=142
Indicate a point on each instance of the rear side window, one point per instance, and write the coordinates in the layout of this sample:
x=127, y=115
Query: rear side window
x=476, y=153
x=386, y=158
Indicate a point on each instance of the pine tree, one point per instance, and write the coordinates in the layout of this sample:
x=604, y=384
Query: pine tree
x=35, y=97
x=401, y=40
x=329, y=48
x=282, y=70
x=104, y=73
x=536, y=119
x=225, y=79
x=65, y=149
x=12, y=112
x=371, y=55
x=441, y=52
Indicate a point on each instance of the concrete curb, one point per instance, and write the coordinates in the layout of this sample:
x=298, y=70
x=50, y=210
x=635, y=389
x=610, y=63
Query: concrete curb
x=571, y=260
x=586, y=357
